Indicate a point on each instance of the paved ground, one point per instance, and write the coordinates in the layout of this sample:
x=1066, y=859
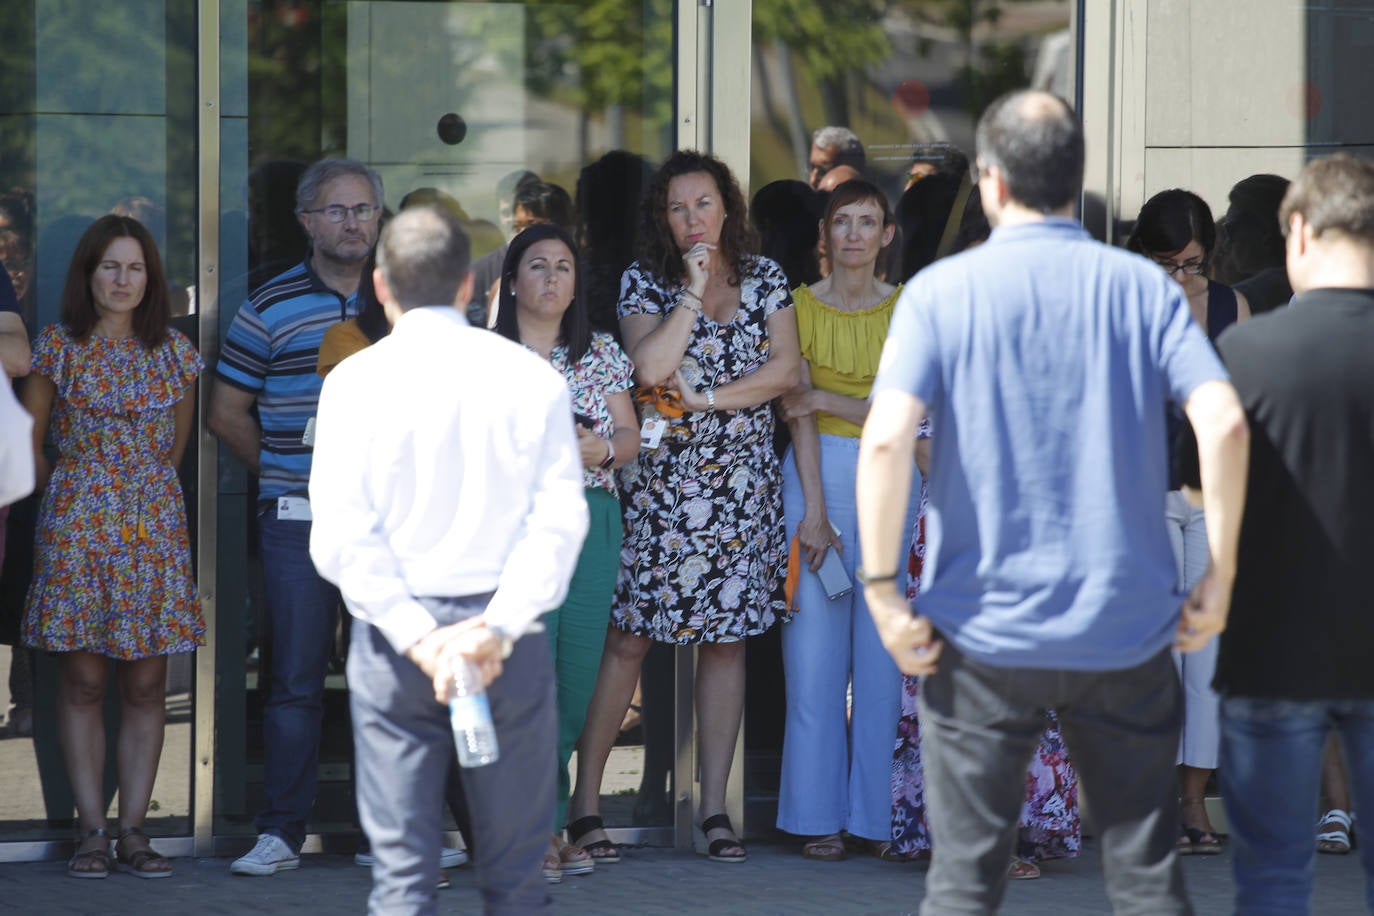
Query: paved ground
x=649, y=881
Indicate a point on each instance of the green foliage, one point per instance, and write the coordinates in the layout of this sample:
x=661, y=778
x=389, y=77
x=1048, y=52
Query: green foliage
x=831, y=38
x=991, y=67
x=600, y=53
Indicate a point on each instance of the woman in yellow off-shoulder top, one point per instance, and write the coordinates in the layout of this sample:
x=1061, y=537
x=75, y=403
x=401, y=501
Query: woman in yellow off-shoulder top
x=836, y=768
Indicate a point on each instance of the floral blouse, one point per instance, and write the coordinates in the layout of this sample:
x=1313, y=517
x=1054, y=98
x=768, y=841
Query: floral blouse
x=603, y=370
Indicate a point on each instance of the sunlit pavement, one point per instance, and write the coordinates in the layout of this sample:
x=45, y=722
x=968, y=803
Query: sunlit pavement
x=649, y=880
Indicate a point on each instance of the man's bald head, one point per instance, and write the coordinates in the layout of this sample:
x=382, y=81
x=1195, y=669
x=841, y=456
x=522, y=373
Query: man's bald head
x=838, y=176
x=1036, y=141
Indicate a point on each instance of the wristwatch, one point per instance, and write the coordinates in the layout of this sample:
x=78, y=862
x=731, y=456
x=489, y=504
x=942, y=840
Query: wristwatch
x=872, y=579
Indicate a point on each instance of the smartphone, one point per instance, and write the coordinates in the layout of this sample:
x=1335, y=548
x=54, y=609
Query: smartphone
x=584, y=421
x=833, y=578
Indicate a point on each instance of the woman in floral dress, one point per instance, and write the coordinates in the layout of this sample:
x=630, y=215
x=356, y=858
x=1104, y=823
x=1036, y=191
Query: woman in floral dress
x=705, y=549
x=112, y=574
x=1049, y=809
x=540, y=307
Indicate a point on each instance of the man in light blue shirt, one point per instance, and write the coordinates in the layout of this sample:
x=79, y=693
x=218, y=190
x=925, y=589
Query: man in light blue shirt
x=1044, y=360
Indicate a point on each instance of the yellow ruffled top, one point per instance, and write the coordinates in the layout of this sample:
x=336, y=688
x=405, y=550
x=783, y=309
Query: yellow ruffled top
x=843, y=349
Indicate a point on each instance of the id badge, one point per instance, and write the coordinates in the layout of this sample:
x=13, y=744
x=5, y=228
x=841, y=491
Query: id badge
x=308, y=437
x=293, y=509
x=651, y=432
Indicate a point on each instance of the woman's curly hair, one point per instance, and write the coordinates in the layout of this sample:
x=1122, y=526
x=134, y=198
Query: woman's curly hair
x=658, y=253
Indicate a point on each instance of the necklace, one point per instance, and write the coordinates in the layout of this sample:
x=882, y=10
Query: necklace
x=866, y=301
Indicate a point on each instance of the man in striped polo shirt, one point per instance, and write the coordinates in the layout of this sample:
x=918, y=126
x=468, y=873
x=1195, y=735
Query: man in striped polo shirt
x=269, y=360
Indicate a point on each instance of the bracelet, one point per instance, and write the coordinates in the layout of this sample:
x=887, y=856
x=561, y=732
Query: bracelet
x=711, y=400
x=868, y=579
x=609, y=460
x=688, y=294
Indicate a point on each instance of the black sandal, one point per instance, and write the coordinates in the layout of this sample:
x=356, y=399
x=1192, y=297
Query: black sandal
x=715, y=848
x=99, y=858
x=138, y=861
x=603, y=852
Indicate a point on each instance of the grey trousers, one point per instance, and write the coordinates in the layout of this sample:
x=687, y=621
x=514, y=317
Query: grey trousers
x=404, y=746
x=979, y=726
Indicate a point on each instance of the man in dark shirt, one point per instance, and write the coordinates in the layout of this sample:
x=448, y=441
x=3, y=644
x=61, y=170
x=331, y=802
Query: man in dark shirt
x=1295, y=660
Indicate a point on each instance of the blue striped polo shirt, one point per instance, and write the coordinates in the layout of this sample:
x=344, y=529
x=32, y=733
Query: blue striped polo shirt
x=271, y=351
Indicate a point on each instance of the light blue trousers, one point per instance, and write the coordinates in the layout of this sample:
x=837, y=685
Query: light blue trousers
x=1200, y=742
x=837, y=773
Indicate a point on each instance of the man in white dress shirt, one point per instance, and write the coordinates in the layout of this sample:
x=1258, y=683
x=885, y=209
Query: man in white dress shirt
x=447, y=495
x=16, y=452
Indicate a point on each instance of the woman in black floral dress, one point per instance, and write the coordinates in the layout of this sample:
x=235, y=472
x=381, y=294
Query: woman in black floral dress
x=705, y=550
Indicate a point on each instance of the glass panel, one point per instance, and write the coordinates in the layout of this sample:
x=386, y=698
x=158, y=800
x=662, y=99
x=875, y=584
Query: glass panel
x=454, y=96
x=904, y=81
x=900, y=75
x=1301, y=70
x=96, y=115
x=1233, y=122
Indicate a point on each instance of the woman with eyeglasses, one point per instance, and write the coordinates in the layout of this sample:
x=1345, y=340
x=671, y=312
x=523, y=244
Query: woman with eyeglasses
x=1175, y=230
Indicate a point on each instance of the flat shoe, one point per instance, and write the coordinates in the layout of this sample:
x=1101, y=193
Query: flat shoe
x=553, y=869
x=715, y=849
x=142, y=861
x=603, y=852
x=95, y=863
x=574, y=860
x=1195, y=842
x=882, y=849
x=1335, y=835
x=824, y=848
x=1022, y=869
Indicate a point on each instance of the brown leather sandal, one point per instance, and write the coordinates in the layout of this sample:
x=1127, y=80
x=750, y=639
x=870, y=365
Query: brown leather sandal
x=824, y=848
x=93, y=863
x=142, y=861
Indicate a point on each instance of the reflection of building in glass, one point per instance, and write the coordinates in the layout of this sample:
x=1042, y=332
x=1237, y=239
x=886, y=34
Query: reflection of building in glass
x=908, y=73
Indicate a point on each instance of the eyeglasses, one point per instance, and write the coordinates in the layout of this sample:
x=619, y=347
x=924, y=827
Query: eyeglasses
x=337, y=213
x=1192, y=267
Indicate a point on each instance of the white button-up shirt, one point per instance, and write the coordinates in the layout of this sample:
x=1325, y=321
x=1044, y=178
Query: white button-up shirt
x=16, y=447
x=446, y=465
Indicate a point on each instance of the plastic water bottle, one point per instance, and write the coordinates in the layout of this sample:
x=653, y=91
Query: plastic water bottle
x=474, y=734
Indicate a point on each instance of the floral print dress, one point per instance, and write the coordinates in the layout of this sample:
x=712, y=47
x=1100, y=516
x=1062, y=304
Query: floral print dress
x=705, y=549
x=1049, y=808
x=112, y=559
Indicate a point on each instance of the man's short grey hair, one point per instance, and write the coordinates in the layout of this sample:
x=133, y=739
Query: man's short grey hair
x=848, y=148
x=836, y=138
x=423, y=255
x=326, y=170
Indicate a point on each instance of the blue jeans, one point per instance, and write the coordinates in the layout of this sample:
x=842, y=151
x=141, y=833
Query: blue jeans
x=1270, y=773
x=302, y=614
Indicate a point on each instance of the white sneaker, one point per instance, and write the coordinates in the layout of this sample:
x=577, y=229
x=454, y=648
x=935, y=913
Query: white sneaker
x=452, y=858
x=269, y=856
x=448, y=858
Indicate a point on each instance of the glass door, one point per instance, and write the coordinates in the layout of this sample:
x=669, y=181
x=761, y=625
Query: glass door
x=97, y=112
x=459, y=98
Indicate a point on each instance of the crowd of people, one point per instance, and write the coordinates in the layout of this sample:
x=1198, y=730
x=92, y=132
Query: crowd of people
x=639, y=421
